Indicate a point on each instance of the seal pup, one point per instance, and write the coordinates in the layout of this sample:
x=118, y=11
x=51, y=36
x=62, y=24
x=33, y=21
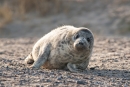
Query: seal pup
x=64, y=47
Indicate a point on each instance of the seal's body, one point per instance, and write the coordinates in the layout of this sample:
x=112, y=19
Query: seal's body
x=66, y=46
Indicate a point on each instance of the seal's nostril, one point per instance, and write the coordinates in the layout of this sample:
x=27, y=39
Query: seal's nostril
x=80, y=43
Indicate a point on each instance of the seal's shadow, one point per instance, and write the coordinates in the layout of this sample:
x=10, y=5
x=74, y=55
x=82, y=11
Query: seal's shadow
x=124, y=74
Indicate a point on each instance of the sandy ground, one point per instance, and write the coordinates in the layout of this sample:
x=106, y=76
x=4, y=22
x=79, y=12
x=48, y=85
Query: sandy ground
x=110, y=62
x=109, y=66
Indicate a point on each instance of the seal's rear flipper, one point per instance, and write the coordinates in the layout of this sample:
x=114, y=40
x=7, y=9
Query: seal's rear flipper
x=29, y=59
x=42, y=56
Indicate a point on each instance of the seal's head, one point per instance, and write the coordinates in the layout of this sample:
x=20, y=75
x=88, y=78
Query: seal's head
x=83, y=40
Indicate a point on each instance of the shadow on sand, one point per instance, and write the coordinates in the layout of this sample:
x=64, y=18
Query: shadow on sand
x=124, y=74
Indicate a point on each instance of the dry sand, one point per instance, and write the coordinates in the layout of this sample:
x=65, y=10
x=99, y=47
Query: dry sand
x=109, y=66
x=110, y=62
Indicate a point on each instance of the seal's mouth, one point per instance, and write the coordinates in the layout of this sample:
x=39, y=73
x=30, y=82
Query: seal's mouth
x=80, y=46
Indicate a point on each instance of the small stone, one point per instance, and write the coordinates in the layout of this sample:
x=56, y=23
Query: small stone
x=99, y=74
x=48, y=80
x=21, y=59
x=59, y=78
x=37, y=86
x=0, y=73
x=57, y=83
x=116, y=60
x=126, y=72
x=1, y=52
x=51, y=73
x=92, y=68
x=81, y=82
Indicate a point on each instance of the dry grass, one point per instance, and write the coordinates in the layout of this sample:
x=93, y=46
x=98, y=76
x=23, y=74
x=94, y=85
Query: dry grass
x=21, y=7
x=5, y=15
x=42, y=7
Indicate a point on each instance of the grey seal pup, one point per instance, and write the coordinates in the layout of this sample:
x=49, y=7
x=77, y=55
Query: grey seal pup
x=64, y=47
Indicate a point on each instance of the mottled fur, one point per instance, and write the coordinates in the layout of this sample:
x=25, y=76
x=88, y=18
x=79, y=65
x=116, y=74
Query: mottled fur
x=66, y=46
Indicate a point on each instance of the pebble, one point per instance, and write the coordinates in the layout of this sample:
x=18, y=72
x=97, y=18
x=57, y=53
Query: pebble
x=59, y=78
x=48, y=80
x=92, y=68
x=1, y=52
x=37, y=85
x=81, y=82
x=58, y=82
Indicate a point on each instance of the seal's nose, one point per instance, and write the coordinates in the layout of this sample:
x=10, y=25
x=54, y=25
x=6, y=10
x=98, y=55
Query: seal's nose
x=80, y=43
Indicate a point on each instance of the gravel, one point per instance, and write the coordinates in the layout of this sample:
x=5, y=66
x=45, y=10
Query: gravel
x=108, y=67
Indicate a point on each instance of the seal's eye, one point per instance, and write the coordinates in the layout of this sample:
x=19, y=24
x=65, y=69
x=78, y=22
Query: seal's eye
x=77, y=36
x=88, y=39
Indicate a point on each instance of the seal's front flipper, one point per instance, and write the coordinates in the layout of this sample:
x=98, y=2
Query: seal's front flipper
x=73, y=68
x=44, y=53
x=84, y=64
